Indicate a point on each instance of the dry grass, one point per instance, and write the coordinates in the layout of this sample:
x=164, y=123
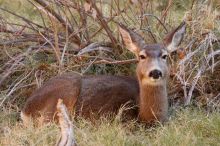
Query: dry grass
x=186, y=127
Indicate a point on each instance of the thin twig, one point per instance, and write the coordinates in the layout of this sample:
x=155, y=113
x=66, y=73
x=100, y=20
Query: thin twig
x=109, y=62
x=58, y=17
x=104, y=24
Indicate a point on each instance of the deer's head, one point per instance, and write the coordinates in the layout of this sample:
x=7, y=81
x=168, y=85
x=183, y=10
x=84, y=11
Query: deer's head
x=152, y=68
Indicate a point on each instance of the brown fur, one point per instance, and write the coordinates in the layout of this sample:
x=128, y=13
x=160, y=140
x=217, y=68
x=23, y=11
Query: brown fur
x=153, y=100
x=92, y=96
x=100, y=95
x=43, y=101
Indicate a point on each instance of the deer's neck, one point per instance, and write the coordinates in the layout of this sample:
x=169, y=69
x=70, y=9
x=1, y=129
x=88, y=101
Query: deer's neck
x=153, y=103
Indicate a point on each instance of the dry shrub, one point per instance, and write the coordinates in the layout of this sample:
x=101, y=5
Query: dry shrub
x=197, y=73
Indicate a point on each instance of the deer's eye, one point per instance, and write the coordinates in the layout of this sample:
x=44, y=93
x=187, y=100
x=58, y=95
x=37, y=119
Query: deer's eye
x=164, y=57
x=142, y=57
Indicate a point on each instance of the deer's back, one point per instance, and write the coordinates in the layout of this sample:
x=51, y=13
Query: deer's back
x=106, y=94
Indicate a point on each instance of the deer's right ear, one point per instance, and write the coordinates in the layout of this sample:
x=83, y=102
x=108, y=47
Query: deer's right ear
x=131, y=39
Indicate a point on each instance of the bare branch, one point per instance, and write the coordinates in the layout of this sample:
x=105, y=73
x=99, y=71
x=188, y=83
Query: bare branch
x=109, y=62
x=94, y=47
x=67, y=136
x=104, y=24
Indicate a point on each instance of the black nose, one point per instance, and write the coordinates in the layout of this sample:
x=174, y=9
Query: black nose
x=155, y=74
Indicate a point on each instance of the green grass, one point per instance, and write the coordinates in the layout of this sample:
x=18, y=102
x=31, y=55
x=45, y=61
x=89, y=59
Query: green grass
x=187, y=127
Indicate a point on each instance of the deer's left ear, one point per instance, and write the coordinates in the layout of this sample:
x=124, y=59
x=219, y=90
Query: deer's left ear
x=174, y=39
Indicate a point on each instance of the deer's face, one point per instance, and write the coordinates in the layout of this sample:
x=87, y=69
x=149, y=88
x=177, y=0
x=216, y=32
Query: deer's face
x=152, y=67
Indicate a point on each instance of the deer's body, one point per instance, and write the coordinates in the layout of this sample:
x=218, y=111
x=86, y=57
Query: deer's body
x=88, y=95
x=105, y=94
x=97, y=95
x=93, y=96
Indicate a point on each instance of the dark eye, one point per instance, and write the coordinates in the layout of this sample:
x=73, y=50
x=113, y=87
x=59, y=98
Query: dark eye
x=164, y=57
x=142, y=57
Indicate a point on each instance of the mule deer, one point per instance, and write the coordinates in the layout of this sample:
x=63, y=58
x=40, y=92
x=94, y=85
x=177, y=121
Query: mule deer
x=106, y=94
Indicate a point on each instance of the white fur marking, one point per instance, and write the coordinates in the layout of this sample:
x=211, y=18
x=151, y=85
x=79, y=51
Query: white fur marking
x=25, y=118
